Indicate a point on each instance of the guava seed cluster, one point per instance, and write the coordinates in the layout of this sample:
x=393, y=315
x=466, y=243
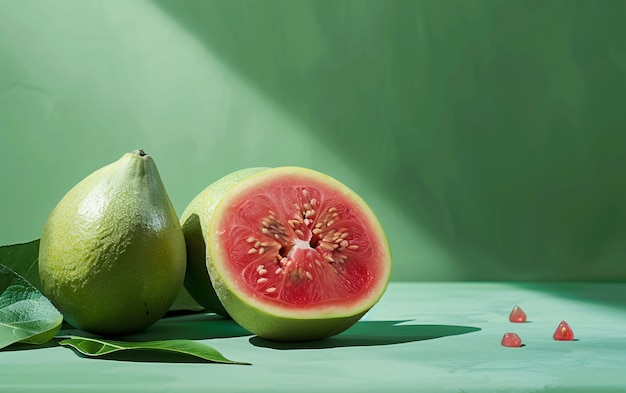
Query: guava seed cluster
x=299, y=246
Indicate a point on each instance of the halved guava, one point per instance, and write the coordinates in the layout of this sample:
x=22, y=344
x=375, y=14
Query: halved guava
x=294, y=254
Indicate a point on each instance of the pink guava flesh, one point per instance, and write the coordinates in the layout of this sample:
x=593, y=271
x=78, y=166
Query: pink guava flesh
x=563, y=332
x=298, y=244
x=517, y=315
x=511, y=340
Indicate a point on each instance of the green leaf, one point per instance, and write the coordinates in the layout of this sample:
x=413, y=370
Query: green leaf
x=25, y=314
x=98, y=347
x=23, y=260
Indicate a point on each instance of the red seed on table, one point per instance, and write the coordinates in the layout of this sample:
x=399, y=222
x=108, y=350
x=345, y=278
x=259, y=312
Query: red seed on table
x=511, y=340
x=517, y=315
x=563, y=332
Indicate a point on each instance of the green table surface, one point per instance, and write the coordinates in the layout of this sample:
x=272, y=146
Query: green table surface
x=431, y=337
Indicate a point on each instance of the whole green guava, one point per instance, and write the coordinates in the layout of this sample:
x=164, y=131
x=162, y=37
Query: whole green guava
x=112, y=255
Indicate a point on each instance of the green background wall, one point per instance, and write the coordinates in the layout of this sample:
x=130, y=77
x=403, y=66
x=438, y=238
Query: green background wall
x=488, y=136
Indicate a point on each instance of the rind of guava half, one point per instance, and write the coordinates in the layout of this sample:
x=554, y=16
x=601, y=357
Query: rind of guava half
x=282, y=328
x=195, y=221
x=275, y=322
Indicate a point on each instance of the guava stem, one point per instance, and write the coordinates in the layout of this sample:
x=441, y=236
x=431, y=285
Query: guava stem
x=140, y=152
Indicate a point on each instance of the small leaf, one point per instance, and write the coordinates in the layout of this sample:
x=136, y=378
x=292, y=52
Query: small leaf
x=98, y=347
x=25, y=314
x=23, y=260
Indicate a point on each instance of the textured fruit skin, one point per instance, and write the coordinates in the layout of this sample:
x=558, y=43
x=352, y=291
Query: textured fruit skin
x=279, y=323
x=112, y=253
x=195, y=222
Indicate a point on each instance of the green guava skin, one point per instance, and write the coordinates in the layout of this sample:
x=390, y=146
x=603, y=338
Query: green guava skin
x=275, y=322
x=195, y=221
x=112, y=255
